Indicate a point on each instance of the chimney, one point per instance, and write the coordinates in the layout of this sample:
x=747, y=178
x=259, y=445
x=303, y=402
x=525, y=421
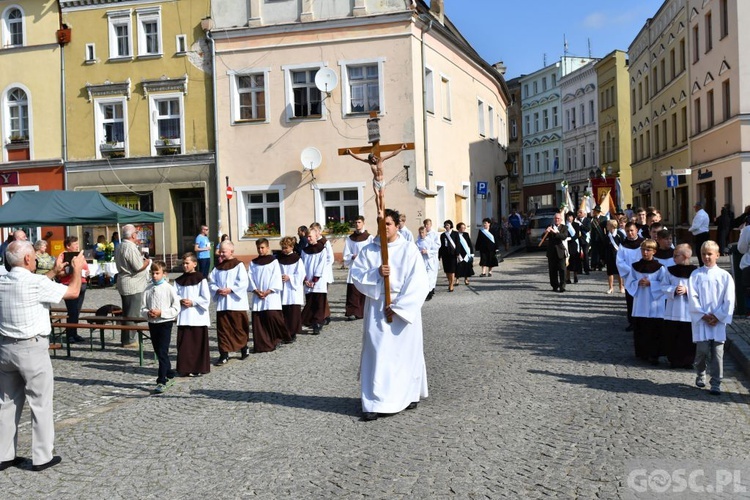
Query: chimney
x=500, y=67
x=436, y=9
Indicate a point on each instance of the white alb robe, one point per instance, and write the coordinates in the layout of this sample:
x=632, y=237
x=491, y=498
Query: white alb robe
x=236, y=279
x=626, y=257
x=406, y=233
x=351, y=250
x=677, y=307
x=711, y=291
x=315, y=267
x=392, y=368
x=648, y=301
x=293, y=291
x=197, y=315
x=328, y=251
x=266, y=277
x=431, y=262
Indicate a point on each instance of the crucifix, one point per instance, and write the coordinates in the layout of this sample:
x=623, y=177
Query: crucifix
x=375, y=159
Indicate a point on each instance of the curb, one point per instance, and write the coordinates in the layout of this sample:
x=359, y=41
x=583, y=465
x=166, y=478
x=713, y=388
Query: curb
x=738, y=347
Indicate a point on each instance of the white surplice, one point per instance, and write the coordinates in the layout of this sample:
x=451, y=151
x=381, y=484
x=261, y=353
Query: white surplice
x=351, y=250
x=197, y=315
x=626, y=257
x=315, y=267
x=648, y=301
x=293, y=291
x=236, y=279
x=266, y=277
x=328, y=276
x=711, y=290
x=678, y=306
x=431, y=262
x=392, y=368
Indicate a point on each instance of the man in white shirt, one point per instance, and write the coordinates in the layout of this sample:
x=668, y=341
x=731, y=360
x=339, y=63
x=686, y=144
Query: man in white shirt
x=699, y=228
x=25, y=367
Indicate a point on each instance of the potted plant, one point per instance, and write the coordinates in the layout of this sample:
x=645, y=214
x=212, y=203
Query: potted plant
x=18, y=139
x=338, y=227
x=262, y=229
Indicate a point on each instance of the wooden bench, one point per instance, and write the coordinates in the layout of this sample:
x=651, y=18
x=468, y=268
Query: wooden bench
x=102, y=323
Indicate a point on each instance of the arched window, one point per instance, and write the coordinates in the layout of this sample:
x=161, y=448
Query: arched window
x=18, y=114
x=13, y=20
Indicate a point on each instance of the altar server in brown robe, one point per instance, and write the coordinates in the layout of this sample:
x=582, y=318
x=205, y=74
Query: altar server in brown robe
x=360, y=238
x=264, y=277
x=228, y=285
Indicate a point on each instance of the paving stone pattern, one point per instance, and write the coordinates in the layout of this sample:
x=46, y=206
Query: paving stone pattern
x=532, y=394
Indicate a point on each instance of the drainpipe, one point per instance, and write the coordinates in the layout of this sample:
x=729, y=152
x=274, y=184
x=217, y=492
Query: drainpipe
x=211, y=42
x=424, y=109
x=63, y=97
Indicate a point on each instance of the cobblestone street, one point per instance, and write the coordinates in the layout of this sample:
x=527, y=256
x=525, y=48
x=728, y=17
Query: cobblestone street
x=532, y=394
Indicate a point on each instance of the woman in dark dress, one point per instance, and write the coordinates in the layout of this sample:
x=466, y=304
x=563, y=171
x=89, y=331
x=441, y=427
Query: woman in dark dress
x=448, y=251
x=465, y=265
x=487, y=246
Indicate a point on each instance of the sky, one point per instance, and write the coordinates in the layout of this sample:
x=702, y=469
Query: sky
x=520, y=33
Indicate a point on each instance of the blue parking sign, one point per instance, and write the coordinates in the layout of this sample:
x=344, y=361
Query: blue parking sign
x=672, y=181
x=482, y=188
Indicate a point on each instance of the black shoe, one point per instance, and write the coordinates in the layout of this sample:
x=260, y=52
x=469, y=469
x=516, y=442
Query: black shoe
x=561, y=290
x=55, y=460
x=74, y=340
x=350, y=318
x=568, y=282
x=244, y=353
x=327, y=321
x=429, y=295
x=555, y=289
x=369, y=416
x=316, y=330
x=629, y=328
x=223, y=359
x=11, y=463
x=575, y=280
x=412, y=406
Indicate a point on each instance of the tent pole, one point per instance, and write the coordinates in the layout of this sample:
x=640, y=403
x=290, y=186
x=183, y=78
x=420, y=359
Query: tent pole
x=163, y=243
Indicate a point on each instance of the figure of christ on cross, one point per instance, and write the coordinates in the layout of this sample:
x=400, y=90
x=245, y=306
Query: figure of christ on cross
x=378, y=179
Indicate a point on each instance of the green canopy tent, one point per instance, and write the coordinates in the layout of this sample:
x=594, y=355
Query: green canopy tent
x=69, y=208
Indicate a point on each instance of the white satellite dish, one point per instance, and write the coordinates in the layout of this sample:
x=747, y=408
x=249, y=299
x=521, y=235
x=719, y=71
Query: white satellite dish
x=326, y=80
x=311, y=158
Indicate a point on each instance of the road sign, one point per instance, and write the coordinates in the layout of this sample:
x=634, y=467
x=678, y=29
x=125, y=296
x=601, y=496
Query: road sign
x=229, y=192
x=672, y=181
x=482, y=188
x=676, y=171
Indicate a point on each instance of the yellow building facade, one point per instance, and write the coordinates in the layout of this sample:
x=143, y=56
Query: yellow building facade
x=139, y=115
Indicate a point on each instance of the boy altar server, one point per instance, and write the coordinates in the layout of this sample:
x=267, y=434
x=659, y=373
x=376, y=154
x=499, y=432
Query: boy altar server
x=360, y=238
x=429, y=251
x=316, y=287
x=393, y=375
x=677, y=327
x=628, y=253
x=228, y=285
x=293, y=291
x=711, y=308
x=644, y=283
x=264, y=276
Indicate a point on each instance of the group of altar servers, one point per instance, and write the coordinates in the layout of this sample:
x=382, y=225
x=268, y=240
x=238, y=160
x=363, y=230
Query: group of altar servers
x=676, y=309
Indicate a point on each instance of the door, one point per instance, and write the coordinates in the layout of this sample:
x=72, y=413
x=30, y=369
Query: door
x=191, y=214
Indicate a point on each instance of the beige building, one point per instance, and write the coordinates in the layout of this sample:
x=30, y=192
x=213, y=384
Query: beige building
x=614, y=120
x=139, y=116
x=299, y=79
x=658, y=100
x=30, y=103
x=719, y=103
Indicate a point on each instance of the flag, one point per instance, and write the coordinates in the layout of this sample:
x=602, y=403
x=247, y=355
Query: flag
x=618, y=191
x=608, y=205
x=568, y=200
x=555, y=165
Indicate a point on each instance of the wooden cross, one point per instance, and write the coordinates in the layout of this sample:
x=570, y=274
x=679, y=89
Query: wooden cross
x=375, y=160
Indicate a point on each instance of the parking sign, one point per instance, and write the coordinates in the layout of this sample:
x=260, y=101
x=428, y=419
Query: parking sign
x=482, y=188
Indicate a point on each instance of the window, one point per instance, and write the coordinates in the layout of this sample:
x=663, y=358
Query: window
x=110, y=127
x=554, y=80
x=593, y=154
x=526, y=125
x=673, y=63
x=526, y=90
x=573, y=117
x=664, y=134
x=536, y=122
x=726, y=100
x=674, y=129
x=262, y=208
x=303, y=97
x=633, y=102
x=723, y=19
x=663, y=69
x=684, y=123
x=592, y=117
x=682, y=55
x=655, y=75
x=568, y=160
x=536, y=88
x=544, y=84
x=527, y=165
x=429, y=90
x=640, y=95
x=545, y=119
x=697, y=115
x=554, y=116
x=513, y=129
x=120, y=43
x=362, y=86
x=583, y=115
x=546, y=160
x=340, y=205
x=168, y=129
x=13, y=32
x=249, y=96
x=696, y=44
x=583, y=156
x=181, y=44
x=491, y=120
x=646, y=88
x=18, y=114
x=480, y=115
x=445, y=85
x=536, y=162
x=555, y=160
x=709, y=33
x=90, y=56
x=149, y=31
x=710, y=108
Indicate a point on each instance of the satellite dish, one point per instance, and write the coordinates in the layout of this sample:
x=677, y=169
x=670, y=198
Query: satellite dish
x=326, y=80
x=311, y=158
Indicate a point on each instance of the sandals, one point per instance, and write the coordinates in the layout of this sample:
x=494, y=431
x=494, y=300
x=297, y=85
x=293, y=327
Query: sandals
x=483, y=275
x=466, y=282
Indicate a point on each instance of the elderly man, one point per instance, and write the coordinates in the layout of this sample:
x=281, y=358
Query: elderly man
x=699, y=229
x=557, y=234
x=131, y=278
x=25, y=366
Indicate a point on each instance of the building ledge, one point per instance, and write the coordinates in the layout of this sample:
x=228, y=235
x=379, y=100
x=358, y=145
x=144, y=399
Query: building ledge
x=427, y=193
